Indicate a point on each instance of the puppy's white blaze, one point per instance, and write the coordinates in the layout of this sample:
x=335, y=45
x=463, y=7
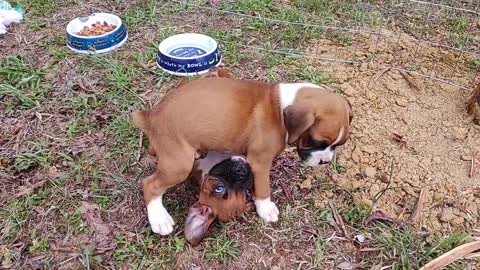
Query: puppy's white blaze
x=267, y=210
x=239, y=158
x=160, y=220
x=325, y=155
x=287, y=93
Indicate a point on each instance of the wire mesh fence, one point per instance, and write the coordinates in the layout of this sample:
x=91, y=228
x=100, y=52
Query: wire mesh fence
x=438, y=40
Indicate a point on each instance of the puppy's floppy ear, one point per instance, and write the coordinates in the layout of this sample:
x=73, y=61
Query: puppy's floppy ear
x=297, y=120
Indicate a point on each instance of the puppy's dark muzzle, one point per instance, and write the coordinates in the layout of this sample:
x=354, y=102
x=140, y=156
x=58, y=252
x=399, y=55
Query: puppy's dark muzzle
x=304, y=154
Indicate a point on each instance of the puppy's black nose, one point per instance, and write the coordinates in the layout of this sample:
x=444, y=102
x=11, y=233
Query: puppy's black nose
x=322, y=162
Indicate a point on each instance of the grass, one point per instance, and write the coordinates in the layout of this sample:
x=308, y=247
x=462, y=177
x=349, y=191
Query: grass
x=459, y=32
x=39, y=7
x=141, y=16
x=23, y=82
x=222, y=249
x=407, y=251
x=230, y=46
x=36, y=155
x=314, y=75
x=39, y=243
x=17, y=212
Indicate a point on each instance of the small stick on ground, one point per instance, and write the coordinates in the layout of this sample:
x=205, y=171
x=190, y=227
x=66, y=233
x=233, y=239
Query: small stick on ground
x=401, y=139
x=285, y=191
x=417, y=212
x=382, y=217
x=379, y=74
x=82, y=86
x=338, y=221
x=472, y=166
x=455, y=254
x=411, y=82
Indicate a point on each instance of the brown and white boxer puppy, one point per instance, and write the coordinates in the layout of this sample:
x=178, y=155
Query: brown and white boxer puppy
x=226, y=191
x=252, y=118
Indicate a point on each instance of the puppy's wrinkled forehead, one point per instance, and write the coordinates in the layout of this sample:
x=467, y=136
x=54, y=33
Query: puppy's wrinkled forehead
x=332, y=113
x=235, y=172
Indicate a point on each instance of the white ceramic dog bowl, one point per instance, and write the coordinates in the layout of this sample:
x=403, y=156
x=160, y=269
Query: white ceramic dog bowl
x=188, y=54
x=96, y=44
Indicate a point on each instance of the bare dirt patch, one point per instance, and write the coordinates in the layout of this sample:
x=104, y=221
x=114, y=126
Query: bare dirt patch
x=435, y=138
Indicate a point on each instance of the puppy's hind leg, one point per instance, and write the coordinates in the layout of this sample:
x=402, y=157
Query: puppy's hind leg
x=171, y=170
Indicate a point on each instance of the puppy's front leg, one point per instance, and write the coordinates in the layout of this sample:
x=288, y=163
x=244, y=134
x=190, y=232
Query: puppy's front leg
x=265, y=208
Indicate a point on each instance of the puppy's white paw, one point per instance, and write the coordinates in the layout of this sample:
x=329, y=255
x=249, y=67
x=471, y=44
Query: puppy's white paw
x=267, y=210
x=160, y=220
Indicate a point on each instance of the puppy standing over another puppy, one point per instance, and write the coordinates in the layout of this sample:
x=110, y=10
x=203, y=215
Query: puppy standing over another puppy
x=256, y=119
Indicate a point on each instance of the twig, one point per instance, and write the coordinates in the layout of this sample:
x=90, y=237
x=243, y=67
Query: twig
x=380, y=216
x=382, y=192
x=472, y=166
x=285, y=191
x=401, y=139
x=409, y=79
x=82, y=86
x=338, y=221
x=416, y=215
x=457, y=253
x=380, y=73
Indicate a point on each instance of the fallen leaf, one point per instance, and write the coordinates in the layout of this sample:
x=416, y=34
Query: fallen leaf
x=53, y=172
x=380, y=216
x=101, y=230
x=99, y=117
x=306, y=184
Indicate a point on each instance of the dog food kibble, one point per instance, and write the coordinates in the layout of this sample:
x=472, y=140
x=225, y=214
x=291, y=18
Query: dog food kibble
x=97, y=29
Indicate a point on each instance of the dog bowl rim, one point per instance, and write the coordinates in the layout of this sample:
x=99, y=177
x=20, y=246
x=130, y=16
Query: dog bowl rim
x=99, y=14
x=162, y=45
x=187, y=74
x=116, y=46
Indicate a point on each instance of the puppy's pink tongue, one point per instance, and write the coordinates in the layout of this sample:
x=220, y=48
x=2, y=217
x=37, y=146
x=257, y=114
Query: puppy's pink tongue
x=198, y=220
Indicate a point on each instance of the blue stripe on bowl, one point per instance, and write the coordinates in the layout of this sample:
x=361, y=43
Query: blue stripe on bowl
x=195, y=65
x=85, y=44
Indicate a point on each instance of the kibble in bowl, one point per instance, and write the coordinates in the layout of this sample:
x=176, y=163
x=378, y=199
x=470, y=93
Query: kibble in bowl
x=97, y=33
x=97, y=29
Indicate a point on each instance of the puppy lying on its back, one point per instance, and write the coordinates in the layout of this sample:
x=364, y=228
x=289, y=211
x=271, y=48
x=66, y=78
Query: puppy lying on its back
x=226, y=187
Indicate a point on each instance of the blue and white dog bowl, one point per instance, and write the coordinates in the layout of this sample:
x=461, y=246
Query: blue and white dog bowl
x=96, y=44
x=188, y=54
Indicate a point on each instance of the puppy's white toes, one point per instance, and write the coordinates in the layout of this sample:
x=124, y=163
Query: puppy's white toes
x=267, y=210
x=160, y=220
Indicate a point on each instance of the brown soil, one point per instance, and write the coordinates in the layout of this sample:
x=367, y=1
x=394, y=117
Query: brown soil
x=440, y=138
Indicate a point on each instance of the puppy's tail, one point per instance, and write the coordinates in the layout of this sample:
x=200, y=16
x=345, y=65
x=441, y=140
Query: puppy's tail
x=139, y=119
